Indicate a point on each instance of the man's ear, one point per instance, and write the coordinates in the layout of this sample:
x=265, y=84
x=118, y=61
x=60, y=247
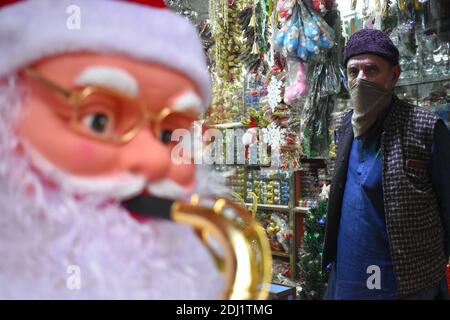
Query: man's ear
x=395, y=74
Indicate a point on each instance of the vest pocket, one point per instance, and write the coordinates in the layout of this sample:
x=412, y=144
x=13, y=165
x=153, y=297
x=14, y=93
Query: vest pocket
x=419, y=178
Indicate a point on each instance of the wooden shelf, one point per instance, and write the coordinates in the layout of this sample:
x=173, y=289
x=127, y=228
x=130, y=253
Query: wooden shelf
x=295, y=215
x=270, y=206
x=279, y=207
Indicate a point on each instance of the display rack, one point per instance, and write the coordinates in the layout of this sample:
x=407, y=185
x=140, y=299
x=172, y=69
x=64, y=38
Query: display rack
x=431, y=92
x=291, y=210
x=296, y=222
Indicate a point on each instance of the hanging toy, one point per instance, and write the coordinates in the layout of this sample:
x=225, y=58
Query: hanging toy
x=305, y=33
x=291, y=41
x=312, y=33
x=302, y=52
x=285, y=9
x=299, y=88
x=322, y=6
x=273, y=228
x=319, y=35
x=312, y=46
x=325, y=42
x=288, y=37
x=281, y=36
x=312, y=30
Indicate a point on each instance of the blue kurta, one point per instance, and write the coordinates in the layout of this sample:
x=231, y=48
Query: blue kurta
x=362, y=237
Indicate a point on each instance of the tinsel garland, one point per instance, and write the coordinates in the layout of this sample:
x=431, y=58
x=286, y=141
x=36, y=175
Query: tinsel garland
x=227, y=72
x=253, y=21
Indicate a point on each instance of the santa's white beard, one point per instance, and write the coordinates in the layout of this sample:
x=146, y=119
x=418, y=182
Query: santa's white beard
x=44, y=232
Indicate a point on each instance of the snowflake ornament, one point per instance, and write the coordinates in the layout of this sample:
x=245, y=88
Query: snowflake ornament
x=274, y=93
x=273, y=135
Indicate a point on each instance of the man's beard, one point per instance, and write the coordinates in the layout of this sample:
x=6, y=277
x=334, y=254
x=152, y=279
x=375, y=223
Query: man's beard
x=46, y=233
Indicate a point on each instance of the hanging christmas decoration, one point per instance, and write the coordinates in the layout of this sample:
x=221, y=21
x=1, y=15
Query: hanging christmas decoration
x=298, y=87
x=305, y=34
x=274, y=93
x=285, y=9
x=325, y=85
x=312, y=279
x=283, y=232
x=322, y=6
x=256, y=35
x=227, y=103
x=227, y=33
x=273, y=135
x=250, y=137
x=317, y=112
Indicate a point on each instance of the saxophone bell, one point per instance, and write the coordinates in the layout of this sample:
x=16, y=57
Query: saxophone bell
x=244, y=257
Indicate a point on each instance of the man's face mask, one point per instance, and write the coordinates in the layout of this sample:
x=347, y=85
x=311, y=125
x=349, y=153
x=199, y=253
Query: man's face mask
x=369, y=100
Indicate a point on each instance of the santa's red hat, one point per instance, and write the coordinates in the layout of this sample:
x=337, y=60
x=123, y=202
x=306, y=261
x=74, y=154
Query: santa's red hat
x=143, y=29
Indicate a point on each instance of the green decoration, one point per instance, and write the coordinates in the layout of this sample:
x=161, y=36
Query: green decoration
x=253, y=20
x=312, y=278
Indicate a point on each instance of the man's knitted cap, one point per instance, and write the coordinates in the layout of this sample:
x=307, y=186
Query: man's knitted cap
x=371, y=41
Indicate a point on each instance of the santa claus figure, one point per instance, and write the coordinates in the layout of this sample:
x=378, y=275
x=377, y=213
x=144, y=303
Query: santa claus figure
x=250, y=137
x=90, y=93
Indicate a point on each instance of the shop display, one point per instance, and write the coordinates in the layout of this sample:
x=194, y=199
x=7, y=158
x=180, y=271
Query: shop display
x=277, y=76
x=280, y=44
x=424, y=60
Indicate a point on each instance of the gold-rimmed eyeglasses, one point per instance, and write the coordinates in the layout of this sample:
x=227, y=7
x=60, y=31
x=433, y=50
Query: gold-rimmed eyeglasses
x=112, y=116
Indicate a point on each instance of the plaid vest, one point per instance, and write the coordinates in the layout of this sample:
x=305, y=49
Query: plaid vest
x=413, y=224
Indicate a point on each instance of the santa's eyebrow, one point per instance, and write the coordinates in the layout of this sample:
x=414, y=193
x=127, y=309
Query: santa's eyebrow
x=187, y=101
x=110, y=78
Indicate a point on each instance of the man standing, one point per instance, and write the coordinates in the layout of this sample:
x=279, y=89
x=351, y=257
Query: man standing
x=388, y=215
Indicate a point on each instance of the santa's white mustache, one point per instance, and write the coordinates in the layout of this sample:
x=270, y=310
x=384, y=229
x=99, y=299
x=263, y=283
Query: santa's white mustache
x=123, y=186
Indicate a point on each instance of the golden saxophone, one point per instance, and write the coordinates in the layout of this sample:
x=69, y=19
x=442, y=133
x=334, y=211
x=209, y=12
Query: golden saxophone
x=245, y=257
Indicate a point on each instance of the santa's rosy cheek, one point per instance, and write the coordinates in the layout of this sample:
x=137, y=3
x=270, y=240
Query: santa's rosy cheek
x=86, y=149
x=90, y=158
x=183, y=174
